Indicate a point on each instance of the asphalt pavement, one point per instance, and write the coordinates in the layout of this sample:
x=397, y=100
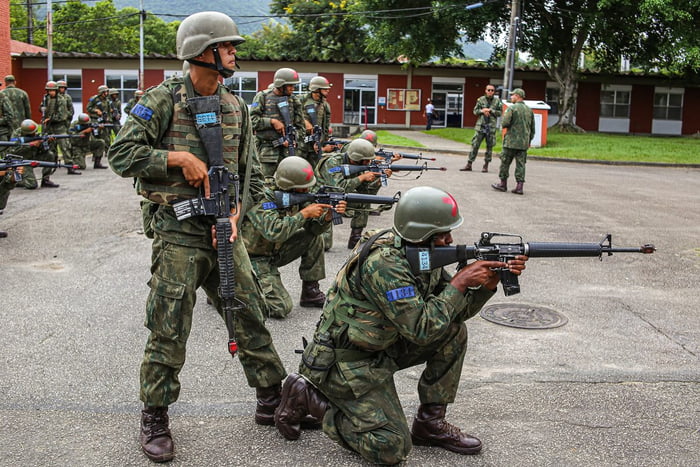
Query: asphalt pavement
x=618, y=384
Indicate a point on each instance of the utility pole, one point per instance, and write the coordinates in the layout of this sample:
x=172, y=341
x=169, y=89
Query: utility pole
x=142, y=16
x=30, y=23
x=49, y=40
x=509, y=68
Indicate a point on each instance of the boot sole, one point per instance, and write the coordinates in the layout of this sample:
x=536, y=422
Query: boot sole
x=467, y=451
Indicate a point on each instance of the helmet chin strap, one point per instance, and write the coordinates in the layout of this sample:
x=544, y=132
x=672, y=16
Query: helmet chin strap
x=217, y=65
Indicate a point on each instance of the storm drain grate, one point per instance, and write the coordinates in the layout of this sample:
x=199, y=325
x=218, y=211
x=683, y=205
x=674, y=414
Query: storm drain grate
x=523, y=316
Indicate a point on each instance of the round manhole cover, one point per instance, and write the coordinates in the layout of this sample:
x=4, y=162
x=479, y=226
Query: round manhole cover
x=523, y=316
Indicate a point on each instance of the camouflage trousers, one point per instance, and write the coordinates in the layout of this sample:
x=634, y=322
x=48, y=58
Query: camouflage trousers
x=63, y=143
x=507, y=157
x=28, y=177
x=359, y=221
x=94, y=146
x=302, y=245
x=478, y=137
x=177, y=272
x=365, y=413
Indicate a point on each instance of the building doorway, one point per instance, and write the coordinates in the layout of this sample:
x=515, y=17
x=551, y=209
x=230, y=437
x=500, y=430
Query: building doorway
x=360, y=102
x=448, y=101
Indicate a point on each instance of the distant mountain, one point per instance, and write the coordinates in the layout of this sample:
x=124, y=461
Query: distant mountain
x=248, y=15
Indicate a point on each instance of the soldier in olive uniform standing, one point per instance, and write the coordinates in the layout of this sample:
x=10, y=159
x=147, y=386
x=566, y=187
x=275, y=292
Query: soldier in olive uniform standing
x=381, y=318
x=268, y=124
x=161, y=146
x=7, y=118
x=316, y=108
x=487, y=110
x=98, y=109
x=276, y=235
x=19, y=100
x=115, y=110
x=519, y=122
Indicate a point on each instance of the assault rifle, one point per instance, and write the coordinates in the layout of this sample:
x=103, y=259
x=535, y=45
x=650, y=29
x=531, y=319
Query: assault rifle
x=379, y=167
x=317, y=134
x=338, y=143
x=11, y=161
x=290, y=132
x=94, y=125
x=329, y=195
x=205, y=111
x=26, y=140
x=486, y=128
x=388, y=155
x=424, y=259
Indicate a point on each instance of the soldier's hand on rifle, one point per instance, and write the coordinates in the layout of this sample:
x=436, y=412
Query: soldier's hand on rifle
x=36, y=143
x=277, y=125
x=329, y=147
x=368, y=177
x=339, y=208
x=486, y=111
x=194, y=170
x=485, y=273
x=309, y=127
x=316, y=210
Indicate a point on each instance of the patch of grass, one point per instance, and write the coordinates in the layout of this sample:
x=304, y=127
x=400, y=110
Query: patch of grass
x=601, y=146
x=387, y=138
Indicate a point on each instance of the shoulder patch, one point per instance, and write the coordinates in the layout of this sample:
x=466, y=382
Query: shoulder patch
x=254, y=105
x=269, y=205
x=401, y=292
x=142, y=111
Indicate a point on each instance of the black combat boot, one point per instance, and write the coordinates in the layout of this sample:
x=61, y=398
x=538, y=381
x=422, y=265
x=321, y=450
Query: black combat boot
x=268, y=400
x=355, y=235
x=311, y=295
x=503, y=186
x=155, y=438
x=466, y=168
x=518, y=190
x=431, y=429
x=3, y=234
x=485, y=168
x=72, y=171
x=98, y=164
x=46, y=183
x=300, y=401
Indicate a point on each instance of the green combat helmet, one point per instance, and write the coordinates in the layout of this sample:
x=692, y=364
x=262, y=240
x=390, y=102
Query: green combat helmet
x=294, y=172
x=102, y=88
x=285, y=76
x=424, y=211
x=360, y=150
x=28, y=127
x=51, y=86
x=62, y=83
x=319, y=82
x=202, y=30
x=83, y=118
x=113, y=91
x=370, y=136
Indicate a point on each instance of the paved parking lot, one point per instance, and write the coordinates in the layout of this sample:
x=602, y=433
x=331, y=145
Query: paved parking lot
x=619, y=384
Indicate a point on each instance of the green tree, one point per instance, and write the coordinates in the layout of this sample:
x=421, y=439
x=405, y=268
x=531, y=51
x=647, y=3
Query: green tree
x=269, y=42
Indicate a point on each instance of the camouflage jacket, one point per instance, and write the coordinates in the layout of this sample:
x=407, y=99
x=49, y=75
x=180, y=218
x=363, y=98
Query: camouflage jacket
x=7, y=117
x=266, y=227
x=496, y=106
x=326, y=176
x=19, y=100
x=519, y=122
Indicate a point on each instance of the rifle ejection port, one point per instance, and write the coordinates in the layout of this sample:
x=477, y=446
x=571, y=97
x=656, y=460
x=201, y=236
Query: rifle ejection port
x=522, y=316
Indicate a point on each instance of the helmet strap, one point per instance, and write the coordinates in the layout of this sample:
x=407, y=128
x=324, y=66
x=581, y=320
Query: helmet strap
x=217, y=65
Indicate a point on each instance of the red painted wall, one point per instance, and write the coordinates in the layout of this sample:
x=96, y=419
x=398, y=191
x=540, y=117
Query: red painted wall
x=384, y=116
x=92, y=78
x=264, y=79
x=152, y=78
x=5, y=60
x=34, y=86
x=335, y=96
x=535, y=90
x=641, y=109
x=691, y=102
x=588, y=106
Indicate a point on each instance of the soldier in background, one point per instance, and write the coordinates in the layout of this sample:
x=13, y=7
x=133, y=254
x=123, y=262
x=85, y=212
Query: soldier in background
x=54, y=121
x=7, y=118
x=380, y=318
x=36, y=150
x=19, y=100
x=87, y=143
x=316, y=107
x=268, y=124
x=487, y=110
x=98, y=109
x=7, y=183
x=133, y=101
x=275, y=236
x=115, y=109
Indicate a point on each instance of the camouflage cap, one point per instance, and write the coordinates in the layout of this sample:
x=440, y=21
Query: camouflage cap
x=9, y=78
x=519, y=91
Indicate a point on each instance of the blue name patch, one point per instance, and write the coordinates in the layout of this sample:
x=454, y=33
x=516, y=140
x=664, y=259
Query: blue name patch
x=335, y=169
x=401, y=292
x=142, y=111
x=207, y=118
x=269, y=205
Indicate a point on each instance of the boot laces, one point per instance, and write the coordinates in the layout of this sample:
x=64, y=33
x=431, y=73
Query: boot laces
x=156, y=425
x=449, y=429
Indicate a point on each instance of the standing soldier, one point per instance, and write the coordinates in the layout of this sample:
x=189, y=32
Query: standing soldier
x=87, y=143
x=7, y=183
x=161, y=146
x=519, y=122
x=67, y=144
x=317, y=111
x=487, y=109
x=271, y=130
x=53, y=120
x=19, y=100
x=133, y=101
x=115, y=110
x=7, y=117
x=99, y=111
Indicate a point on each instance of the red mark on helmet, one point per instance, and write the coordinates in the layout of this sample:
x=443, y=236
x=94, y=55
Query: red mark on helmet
x=309, y=172
x=451, y=201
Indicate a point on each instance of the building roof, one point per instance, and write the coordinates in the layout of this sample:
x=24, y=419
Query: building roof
x=21, y=48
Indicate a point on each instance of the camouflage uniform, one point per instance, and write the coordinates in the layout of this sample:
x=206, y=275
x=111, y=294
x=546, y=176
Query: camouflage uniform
x=519, y=122
x=388, y=320
x=275, y=237
x=7, y=183
x=7, y=118
x=42, y=152
x=183, y=257
x=98, y=101
x=19, y=101
x=496, y=105
x=116, y=113
x=264, y=108
x=85, y=145
x=323, y=119
x=56, y=112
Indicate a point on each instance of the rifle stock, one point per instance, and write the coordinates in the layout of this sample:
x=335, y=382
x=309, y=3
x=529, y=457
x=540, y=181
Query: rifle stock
x=422, y=259
x=10, y=161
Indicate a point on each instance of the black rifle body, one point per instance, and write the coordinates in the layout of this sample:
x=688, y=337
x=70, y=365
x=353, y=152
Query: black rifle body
x=11, y=161
x=426, y=259
x=290, y=131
